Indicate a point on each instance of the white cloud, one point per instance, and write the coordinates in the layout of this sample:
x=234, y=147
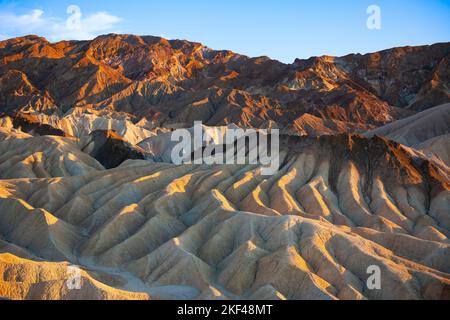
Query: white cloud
x=55, y=29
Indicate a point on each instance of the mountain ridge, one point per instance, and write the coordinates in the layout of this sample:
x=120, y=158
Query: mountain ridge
x=172, y=82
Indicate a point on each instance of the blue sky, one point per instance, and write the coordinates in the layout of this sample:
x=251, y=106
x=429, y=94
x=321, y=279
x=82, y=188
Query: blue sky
x=282, y=30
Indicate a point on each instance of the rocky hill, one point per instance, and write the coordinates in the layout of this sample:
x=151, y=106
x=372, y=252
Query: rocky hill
x=173, y=82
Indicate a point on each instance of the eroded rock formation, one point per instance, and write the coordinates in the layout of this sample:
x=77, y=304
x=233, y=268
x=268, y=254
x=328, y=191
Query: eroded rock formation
x=364, y=177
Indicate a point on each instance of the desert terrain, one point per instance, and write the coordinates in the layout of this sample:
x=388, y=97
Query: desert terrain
x=86, y=177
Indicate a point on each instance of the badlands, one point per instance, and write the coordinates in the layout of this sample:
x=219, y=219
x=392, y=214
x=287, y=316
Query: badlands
x=86, y=179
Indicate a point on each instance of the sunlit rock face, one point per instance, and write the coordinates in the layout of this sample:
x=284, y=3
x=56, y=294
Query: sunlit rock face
x=174, y=82
x=91, y=206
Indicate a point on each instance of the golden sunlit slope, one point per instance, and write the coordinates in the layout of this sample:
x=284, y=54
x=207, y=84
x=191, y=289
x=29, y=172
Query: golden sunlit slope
x=48, y=280
x=173, y=82
x=338, y=205
x=25, y=156
x=80, y=123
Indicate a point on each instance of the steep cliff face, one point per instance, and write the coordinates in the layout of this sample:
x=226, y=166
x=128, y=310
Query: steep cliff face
x=175, y=82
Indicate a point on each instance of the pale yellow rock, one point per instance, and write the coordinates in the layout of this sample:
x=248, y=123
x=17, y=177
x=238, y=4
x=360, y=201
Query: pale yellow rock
x=156, y=230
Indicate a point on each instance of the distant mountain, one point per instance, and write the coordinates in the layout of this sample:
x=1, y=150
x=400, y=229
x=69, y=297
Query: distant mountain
x=173, y=83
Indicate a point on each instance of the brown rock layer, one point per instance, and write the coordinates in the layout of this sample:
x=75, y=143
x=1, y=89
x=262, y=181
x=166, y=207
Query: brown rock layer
x=176, y=82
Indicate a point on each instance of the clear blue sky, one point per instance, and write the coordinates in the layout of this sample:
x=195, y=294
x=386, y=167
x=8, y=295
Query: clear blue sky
x=282, y=30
